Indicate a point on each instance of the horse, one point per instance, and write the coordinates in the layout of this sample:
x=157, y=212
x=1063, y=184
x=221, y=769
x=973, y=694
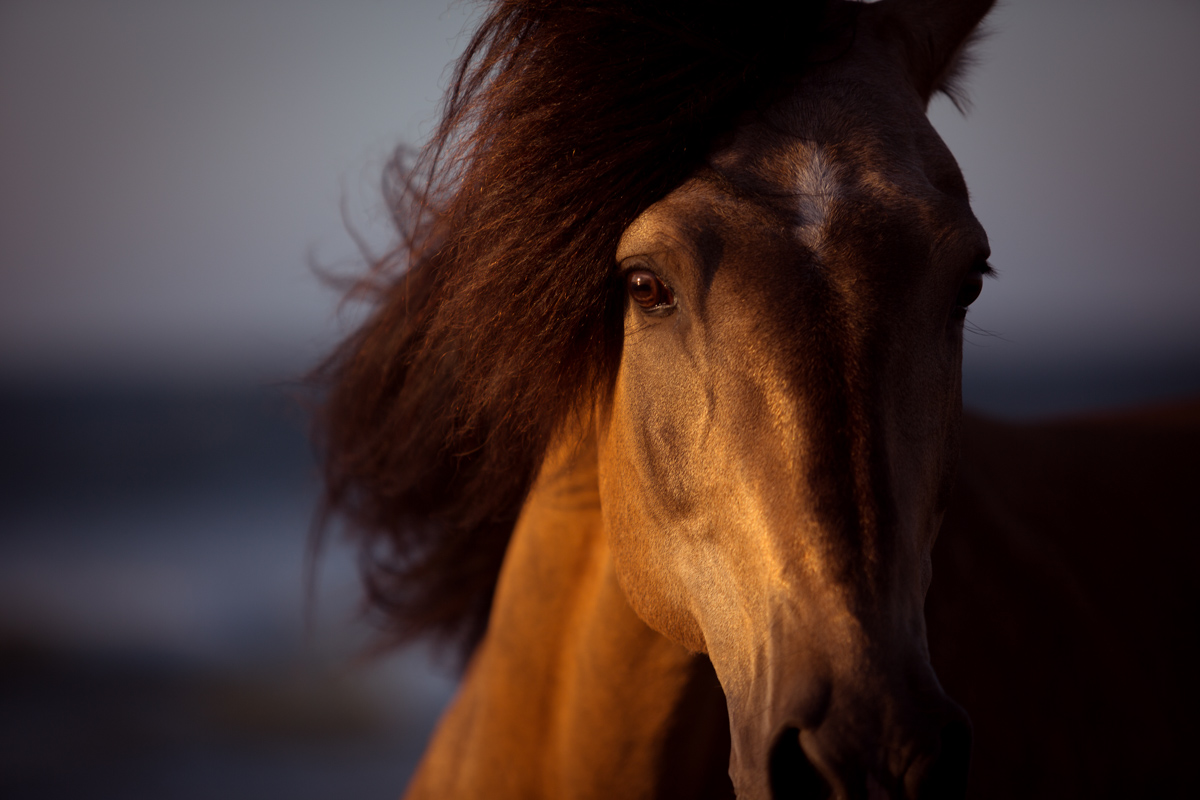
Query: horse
x=658, y=417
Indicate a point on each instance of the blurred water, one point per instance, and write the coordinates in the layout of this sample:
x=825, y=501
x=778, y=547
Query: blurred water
x=1037, y=388
x=153, y=634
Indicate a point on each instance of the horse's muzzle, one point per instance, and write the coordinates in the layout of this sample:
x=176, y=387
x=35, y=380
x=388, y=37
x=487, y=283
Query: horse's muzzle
x=813, y=765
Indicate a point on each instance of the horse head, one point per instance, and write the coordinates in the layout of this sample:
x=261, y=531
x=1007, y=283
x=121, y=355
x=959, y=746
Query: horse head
x=782, y=437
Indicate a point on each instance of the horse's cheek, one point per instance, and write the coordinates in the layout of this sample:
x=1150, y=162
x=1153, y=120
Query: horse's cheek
x=640, y=543
x=660, y=607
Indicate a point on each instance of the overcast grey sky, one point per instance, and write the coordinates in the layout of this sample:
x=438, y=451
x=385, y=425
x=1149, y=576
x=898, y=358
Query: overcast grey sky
x=167, y=169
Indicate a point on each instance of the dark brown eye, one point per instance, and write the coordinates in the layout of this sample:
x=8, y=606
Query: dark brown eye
x=647, y=290
x=969, y=290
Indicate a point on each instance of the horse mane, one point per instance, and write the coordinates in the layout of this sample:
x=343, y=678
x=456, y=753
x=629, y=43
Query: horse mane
x=498, y=313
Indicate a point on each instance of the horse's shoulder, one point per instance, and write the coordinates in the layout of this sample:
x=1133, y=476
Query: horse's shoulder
x=1105, y=502
x=1088, y=474
x=1063, y=593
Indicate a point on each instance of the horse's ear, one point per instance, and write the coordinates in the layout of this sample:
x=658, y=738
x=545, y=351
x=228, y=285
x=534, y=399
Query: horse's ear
x=935, y=33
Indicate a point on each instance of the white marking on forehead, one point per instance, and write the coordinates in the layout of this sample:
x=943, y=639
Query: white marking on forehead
x=817, y=185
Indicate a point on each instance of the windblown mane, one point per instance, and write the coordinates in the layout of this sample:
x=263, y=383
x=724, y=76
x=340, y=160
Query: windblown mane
x=498, y=314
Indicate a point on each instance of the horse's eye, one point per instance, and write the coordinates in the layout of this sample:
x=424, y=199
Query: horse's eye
x=647, y=290
x=969, y=290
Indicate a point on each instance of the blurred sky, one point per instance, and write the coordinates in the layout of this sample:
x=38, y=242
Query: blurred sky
x=170, y=170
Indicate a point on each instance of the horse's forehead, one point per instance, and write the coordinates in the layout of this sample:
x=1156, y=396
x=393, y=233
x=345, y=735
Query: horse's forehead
x=848, y=150
x=848, y=139
x=818, y=188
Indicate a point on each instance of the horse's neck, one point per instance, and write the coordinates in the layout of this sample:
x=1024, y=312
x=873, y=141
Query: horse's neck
x=570, y=693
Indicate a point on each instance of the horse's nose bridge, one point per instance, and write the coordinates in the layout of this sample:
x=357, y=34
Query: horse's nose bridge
x=813, y=385
x=843, y=430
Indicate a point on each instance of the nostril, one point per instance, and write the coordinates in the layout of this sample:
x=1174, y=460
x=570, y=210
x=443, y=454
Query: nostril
x=792, y=774
x=945, y=778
